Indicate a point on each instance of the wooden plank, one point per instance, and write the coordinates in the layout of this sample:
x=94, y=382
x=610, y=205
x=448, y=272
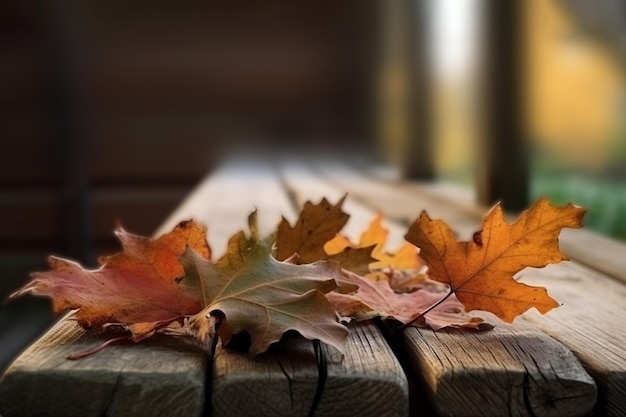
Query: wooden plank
x=225, y=198
x=284, y=381
x=596, y=251
x=366, y=381
x=590, y=321
x=513, y=370
x=134, y=379
x=55, y=375
x=162, y=374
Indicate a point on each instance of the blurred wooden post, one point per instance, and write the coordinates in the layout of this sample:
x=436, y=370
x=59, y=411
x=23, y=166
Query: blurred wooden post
x=66, y=122
x=503, y=162
x=402, y=94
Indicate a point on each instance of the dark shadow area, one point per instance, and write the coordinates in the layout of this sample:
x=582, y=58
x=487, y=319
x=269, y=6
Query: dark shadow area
x=21, y=321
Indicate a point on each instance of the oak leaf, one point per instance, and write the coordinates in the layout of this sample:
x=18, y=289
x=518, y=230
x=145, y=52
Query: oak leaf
x=263, y=296
x=406, y=257
x=481, y=272
x=404, y=269
x=136, y=288
x=377, y=299
x=316, y=225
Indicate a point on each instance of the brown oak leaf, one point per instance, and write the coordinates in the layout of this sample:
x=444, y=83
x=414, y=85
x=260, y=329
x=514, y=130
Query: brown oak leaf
x=136, y=288
x=316, y=225
x=481, y=272
x=263, y=296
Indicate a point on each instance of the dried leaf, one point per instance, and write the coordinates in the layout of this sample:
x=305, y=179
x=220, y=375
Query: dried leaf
x=404, y=268
x=356, y=260
x=377, y=299
x=137, y=287
x=317, y=224
x=481, y=272
x=263, y=296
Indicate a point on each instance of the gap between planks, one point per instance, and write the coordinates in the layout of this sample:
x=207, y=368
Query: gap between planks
x=590, y=321
x=130, y=380
x=513, y=370
x=285, y=380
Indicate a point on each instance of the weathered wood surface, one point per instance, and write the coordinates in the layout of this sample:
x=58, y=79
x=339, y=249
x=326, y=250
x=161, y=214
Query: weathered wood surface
x=590, y=321
x=134, y=379
x=163, y=376
x=152, y=378
x=284, y=382
x=510, y=370
x=513, y=370
x=225, y=198
x=367, y=381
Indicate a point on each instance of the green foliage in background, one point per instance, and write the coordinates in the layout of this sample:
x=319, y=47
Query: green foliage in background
x=604, y=198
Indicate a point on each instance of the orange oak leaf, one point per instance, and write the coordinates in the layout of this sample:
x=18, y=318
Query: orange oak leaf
x=377, y=299
x=136, y=288
x=263, y=296
x=406, y=257
x=481, y=272
x=404, y=269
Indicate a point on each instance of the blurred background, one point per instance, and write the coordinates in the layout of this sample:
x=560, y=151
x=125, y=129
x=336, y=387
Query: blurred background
x=115, y=110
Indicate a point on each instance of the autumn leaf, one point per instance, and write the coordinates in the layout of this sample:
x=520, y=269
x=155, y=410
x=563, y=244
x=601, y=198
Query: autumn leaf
x=406, y=257
x=377, y=299
x=263, y=296
x=481, y=272
x=316, y=225
x=136, y=288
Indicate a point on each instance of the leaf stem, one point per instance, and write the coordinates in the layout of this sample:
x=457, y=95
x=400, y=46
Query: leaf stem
x=93, y=351
x=423, y=313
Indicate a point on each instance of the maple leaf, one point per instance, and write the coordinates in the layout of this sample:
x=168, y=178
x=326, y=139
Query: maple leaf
x=263, y=296
x=136, y=288
x=481, y=272
x=316, y=225
x=377, y=299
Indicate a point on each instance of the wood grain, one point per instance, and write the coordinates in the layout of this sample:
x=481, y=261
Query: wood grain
x=590, y=321
x=163, y=376
x=366, y=381
x=284, y=381
x=225, y=198
x=513, y=370
x=135, y=379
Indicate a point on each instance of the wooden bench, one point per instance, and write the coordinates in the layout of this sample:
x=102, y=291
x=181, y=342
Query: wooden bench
x=570, y=362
